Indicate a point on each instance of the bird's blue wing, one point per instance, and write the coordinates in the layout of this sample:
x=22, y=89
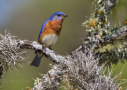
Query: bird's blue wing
x=37, y=58
x=42, y=28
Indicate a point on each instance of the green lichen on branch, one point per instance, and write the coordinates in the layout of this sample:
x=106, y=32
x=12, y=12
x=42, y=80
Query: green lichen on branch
x=101, y=34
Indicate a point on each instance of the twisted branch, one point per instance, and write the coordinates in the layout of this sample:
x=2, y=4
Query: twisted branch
x=79, y=69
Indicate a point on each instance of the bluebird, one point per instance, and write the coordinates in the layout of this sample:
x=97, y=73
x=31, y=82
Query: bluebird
x=49, y=34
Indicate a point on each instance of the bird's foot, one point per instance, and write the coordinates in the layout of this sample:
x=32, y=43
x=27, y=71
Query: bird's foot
x=44, y=48
x=50, y=48
x=53, y=50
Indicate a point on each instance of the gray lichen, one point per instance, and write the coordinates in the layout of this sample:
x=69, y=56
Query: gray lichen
x=85, y=74
x=83, y=69
x=10, y=53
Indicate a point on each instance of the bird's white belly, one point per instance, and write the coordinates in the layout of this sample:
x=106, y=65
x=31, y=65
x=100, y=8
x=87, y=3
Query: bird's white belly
x=49, y=40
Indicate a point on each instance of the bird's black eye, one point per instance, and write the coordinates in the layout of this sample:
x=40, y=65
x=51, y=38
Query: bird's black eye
x=58, y=14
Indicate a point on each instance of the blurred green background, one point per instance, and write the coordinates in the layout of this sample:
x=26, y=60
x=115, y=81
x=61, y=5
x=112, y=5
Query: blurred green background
x=24, y=18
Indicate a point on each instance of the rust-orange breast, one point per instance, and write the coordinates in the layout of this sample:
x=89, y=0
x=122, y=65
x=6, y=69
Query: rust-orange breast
x=51, y=27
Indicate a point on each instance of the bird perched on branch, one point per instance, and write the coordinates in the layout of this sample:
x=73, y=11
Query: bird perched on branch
x=49, y=34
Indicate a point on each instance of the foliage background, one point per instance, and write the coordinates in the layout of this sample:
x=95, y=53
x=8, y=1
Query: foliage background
x=24, y=18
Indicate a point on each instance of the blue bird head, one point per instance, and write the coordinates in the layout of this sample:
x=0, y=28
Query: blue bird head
x=57, y=16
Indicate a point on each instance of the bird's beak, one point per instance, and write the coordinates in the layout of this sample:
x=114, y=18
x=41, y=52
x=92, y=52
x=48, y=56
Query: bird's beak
x=65, y=15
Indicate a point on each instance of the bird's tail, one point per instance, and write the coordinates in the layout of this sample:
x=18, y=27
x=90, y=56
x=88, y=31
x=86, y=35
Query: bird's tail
x=37, y=59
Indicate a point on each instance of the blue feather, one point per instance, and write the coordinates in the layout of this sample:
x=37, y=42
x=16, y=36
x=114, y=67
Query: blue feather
x=42, y=28
x=37, y=59
x=38, y=56
x=55, y=17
